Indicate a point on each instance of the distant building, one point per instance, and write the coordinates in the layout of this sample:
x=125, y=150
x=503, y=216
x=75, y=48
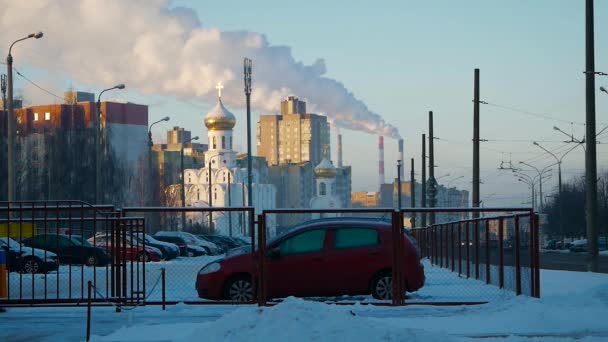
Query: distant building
x=344, y=185
x=55, y=151
x=17, y=103
x=72, y=97
x=364, y=199
x=326, y=196
x=293, y=136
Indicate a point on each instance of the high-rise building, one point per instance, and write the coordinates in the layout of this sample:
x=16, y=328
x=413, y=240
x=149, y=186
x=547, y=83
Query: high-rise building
x=72, y=97
x=293, y=136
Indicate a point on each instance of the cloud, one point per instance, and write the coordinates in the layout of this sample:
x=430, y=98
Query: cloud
x=163, y=50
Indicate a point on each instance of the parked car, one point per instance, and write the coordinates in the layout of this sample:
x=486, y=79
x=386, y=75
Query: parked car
x=243, y=241
x=185, y=248
x=69, y=251
x=349, y=256
x=134, y=249
x=191, y=239
x=224, y=242
x=25, y=259
x=170, y=250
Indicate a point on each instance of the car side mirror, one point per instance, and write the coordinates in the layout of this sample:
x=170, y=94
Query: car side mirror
x=275, y=252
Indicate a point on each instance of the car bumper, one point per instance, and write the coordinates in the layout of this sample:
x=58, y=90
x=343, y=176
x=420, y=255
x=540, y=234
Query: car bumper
x=210, y=286
x=50, y=266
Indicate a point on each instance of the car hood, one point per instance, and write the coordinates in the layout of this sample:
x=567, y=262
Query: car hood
x=172, y=246
x=40, y=253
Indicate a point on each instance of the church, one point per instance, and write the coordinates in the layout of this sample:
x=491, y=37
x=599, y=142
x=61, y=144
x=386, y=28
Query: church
x=222, y=183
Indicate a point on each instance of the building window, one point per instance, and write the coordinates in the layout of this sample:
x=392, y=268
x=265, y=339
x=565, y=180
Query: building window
x=223, y=142
x=47, y=116
x=35, y=116
x=322, y=189
x=198, y=194
x=215, y=196
x=214, y=143
x=230, y=147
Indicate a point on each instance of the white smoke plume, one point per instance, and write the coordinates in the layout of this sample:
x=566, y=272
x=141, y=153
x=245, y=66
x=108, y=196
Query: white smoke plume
x=160, y=49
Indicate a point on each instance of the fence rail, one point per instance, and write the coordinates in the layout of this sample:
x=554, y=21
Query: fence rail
x=467, y=259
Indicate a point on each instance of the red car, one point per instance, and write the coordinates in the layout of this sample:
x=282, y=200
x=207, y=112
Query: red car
x=326, y=257
x=134, y=251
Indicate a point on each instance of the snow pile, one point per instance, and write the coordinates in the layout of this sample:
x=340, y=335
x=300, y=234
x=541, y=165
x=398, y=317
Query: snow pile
x=292, y=320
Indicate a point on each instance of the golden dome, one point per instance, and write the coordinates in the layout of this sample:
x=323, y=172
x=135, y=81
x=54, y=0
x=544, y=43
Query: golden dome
x=220, y=118
x=325, y=169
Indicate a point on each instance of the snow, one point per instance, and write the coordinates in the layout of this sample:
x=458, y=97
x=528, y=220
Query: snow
x=573, y=307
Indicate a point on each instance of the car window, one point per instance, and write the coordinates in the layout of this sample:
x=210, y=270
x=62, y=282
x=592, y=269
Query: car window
x=355, y=237
x=310, y=241
x=64, y=242
x=45, y=241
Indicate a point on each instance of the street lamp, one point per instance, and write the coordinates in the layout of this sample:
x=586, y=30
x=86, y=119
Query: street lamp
x=11, y=118
x=97, y=124
x=604, y=90
x=183, y=192
x=540, y=179
x=150, y=181
x=559, y=177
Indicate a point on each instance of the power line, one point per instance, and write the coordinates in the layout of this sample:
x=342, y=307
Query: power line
x=35, y=84
x=538, y=115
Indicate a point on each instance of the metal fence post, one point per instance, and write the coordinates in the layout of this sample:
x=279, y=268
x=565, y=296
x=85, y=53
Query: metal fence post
x=517, y=258
x=537, y=254
x=488, y=270
x=476, y=234
x=459, y=248
x=90, y=285
x=162, y=275
x=468, y=250
x=501, y=253
x=451, y=244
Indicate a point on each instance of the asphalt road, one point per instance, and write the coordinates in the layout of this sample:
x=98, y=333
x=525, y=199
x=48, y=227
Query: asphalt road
x=570, y=262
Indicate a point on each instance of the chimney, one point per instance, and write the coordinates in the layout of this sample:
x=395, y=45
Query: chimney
x=381, y=159
x=401, y=157
x=339, y=150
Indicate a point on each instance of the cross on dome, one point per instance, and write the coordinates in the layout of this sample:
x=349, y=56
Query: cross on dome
x=219, y=88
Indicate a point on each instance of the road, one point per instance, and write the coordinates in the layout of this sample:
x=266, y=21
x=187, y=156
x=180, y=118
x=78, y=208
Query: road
x=569, y=262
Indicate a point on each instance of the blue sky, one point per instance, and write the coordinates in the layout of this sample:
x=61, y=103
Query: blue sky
x=404, y=58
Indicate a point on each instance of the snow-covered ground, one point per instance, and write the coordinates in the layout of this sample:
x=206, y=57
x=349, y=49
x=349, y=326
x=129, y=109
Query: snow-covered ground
x=573, y=307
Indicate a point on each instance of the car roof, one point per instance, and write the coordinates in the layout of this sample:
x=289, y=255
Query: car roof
x=333, y=222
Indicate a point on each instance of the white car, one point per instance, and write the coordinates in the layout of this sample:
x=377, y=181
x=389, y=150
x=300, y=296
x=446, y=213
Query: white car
x=27, y=259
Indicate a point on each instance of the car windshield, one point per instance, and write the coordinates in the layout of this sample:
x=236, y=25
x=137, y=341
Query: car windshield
x=10, y=242
x=76, y=241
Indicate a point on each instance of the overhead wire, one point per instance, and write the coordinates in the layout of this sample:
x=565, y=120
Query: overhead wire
x=539, y=115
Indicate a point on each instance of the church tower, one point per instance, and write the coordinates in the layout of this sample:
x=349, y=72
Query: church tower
x=220, y=122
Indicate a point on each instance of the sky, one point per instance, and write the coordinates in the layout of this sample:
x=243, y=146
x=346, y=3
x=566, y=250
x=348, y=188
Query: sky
x=401, y=59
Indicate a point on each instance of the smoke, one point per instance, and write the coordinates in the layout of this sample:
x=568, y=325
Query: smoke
x=163, y=50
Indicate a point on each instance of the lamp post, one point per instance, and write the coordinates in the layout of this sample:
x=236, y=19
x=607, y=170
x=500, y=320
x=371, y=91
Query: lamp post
x=210, y=200
x=540, y=179
x=183, y=192
x=150, y=181
x=97, y=135
x=559, y=180
x=10, y=129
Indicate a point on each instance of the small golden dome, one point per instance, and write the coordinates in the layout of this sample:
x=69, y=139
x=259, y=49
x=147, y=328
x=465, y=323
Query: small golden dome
x=325, y=169
x=220, y=118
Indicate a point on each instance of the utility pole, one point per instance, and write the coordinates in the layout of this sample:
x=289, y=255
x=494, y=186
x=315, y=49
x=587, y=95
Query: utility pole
x=247, y=67
x=590, y=152
x=229, y=204
x=432, y=180
x=4, y=114
x=413, y=193
x=423, y=180
x=476, y=143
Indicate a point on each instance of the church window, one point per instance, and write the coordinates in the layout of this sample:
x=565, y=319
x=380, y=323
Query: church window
x=223, y=142
x=215, y=196
x=230, y=147
x=214, y=143
x=198, y=194
x=322, y=189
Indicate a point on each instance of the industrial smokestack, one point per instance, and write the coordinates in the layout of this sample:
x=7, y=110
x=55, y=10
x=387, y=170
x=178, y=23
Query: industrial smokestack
x=381, y=160
x=401, y=157
x=339, y=150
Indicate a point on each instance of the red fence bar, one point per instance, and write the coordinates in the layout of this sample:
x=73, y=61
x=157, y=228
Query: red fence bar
x=468, y=250
x=501, y=252
x=532, y=256
x=476, y=225
x=451, y=244
x=517, y=258
x=487, y=226
x=459, y=248
x=441, y=245
x=262, y=300
x=536, y=249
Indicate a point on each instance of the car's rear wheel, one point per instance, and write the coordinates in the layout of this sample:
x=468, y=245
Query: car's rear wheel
x=91, y=260
x=239, y=289
x=382, y=286
x=31, y=265
x=143, y=257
